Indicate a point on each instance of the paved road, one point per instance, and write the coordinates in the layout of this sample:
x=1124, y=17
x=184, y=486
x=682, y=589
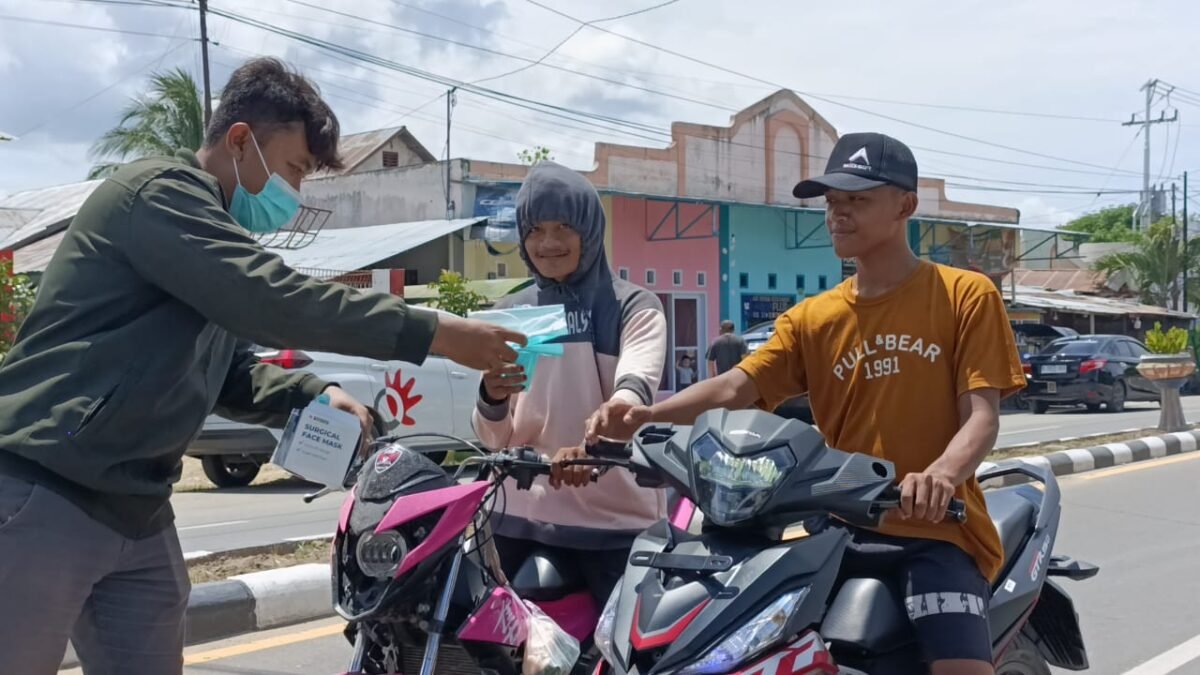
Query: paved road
x=1138, y=522
x=221, y=520
x=1026, y=427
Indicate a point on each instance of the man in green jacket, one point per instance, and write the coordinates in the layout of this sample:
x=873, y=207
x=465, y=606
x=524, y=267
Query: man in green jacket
x=138, y=333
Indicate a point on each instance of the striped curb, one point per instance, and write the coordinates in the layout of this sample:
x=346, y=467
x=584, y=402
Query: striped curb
x=1070, y=439
x=252, y=602
x=1081, y=460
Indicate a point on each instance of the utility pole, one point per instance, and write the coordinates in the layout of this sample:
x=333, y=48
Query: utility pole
x=204, y=60
x=450, y=101
x=1173, y=211
x=1147, y=197
x=1186, y=246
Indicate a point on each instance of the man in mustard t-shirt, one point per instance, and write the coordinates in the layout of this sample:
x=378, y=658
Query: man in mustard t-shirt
x=907, y=361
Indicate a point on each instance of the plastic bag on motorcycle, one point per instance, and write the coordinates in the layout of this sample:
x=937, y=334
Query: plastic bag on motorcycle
x=549, y=650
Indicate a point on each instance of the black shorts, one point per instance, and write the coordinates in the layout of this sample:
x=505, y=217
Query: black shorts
x=945, y=594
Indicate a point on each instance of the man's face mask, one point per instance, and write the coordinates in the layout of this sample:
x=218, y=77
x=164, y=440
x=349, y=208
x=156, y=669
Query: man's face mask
x=272, y=208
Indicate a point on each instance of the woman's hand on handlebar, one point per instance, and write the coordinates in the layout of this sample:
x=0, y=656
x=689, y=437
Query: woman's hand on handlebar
x=571, y=475
x=925, y=496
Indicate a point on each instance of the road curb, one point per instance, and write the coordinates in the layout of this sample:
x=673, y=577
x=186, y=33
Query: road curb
x=1082, y=460
x=252, y=602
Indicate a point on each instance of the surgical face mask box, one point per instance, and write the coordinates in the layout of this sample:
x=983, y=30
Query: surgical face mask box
x=543, y=326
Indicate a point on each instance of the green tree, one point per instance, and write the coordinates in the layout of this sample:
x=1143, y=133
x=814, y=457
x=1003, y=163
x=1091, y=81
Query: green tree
x=16, y=299
x=1156, y=263
x=537, y=154
x=1114, y=223
x=168, y=117
x=454, y=295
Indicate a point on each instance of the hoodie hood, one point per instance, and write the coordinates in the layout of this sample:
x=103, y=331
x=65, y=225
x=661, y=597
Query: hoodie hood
x=554, y=192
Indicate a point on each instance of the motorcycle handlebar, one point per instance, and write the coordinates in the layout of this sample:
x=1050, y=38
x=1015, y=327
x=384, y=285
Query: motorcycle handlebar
x=609, y=450
x=956, y=509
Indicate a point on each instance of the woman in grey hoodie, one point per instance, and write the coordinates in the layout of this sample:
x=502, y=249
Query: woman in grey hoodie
x=615, y=349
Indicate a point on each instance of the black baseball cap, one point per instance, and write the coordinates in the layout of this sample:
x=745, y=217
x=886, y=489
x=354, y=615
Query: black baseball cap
x=863, y=161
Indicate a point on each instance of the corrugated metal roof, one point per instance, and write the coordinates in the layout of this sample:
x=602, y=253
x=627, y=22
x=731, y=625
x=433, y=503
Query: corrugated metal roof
x=1068, y=301
x=356, y=148
x=51, y=205
x=354, y=248
x=1081, y=280
x=35, y=256
x=341, y=250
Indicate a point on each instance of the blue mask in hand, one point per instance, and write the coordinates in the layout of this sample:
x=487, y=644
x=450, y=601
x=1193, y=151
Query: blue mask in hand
x=272, y=208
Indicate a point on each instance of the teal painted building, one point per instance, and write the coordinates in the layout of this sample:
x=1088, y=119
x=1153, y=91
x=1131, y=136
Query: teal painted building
x=771, y=258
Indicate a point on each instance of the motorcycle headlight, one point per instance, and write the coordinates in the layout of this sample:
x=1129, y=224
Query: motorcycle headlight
x=761, y=633
x=731, y=489
x=605, y=626
x=379, y=555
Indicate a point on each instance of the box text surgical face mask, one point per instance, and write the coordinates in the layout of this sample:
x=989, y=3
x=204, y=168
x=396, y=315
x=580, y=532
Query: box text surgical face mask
x=541, y=325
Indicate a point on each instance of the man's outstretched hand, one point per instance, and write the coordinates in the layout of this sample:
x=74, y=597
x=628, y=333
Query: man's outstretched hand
x=340, y=400
x=475, y=344
x=616, y=420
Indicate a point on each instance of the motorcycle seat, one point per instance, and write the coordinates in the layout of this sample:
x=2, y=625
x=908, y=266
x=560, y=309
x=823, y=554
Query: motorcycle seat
x=1012, y=514
x=546, y=575
x=867, y=617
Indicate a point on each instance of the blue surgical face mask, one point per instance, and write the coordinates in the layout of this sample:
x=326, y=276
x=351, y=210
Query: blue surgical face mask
x=273, y=207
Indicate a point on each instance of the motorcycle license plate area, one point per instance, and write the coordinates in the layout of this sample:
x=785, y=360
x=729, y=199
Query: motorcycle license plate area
x=1051, y=387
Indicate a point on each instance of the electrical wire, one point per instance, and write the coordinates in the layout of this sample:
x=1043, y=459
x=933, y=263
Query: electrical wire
x=572, y=34
x=818, y=97
x=64, y=24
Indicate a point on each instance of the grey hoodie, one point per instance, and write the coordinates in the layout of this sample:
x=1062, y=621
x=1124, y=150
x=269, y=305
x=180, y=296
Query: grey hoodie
x=616, y=348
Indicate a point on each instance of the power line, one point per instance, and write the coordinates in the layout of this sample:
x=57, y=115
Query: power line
x=48, y=119
x=63, y=24
x=632, y=129
x=818, y=97
x=572, y=34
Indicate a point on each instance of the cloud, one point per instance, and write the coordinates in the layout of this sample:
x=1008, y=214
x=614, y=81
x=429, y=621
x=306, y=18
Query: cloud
x=1022, y=54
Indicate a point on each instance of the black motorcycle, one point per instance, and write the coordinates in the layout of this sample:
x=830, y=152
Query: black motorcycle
x=750, y=592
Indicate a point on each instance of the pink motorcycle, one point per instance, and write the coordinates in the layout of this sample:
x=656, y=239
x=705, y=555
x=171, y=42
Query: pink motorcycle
x=416, y=575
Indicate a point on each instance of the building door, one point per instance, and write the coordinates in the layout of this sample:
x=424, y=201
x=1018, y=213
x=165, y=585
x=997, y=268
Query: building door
x=686, y=341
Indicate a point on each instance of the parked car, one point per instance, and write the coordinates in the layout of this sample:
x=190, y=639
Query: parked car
x=793, y=408
x=435, y=397
x=1090, y=370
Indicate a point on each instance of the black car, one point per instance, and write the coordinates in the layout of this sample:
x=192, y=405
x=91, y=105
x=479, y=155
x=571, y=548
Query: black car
x=1090, y=370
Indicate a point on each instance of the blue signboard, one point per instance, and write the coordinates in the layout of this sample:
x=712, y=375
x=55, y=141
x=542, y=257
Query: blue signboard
x=498, y=203
x=758, y=308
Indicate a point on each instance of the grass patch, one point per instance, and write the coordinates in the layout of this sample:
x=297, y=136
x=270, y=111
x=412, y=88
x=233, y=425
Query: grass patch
x=194, y=480
x=222, y=566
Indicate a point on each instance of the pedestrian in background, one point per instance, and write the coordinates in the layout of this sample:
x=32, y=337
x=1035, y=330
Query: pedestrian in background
x=726, y=351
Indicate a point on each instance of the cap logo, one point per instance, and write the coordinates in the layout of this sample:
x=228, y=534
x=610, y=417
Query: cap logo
x=858, y=160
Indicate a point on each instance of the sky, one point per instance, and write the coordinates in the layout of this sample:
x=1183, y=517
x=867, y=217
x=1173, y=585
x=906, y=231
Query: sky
x=1064, y=73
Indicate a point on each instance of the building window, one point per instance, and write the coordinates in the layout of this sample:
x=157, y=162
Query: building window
x=701, y=279
x=799, y=282
x=502, y=270
x=651, y=277
x=772, y=281
x=744, y=280
x=822, y=282
x=677, y=278
x=391, y=159
x=623, y=273
x=491, y=275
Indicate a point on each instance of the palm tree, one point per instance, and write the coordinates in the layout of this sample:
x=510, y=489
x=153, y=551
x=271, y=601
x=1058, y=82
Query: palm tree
x=1155, y=263
x=169, y=117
